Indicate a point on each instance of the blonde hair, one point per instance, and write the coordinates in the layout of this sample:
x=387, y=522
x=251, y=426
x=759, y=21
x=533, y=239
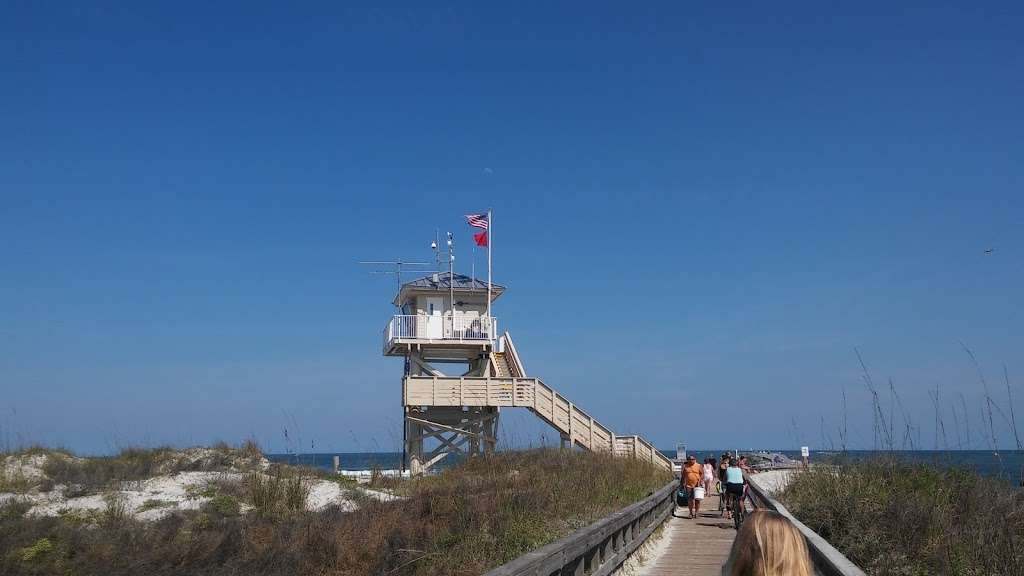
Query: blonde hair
x=768, y=544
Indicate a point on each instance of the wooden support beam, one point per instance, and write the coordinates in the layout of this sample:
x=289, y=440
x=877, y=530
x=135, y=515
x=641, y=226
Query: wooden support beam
x=591, y=440
x=571, y=438
x=424, y=366
x=440, y=428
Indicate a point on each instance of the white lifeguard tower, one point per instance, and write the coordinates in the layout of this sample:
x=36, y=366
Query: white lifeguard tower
x=459, y=372
x=443, y=331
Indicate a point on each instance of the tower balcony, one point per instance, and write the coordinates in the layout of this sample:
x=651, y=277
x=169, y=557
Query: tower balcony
x=454, y=331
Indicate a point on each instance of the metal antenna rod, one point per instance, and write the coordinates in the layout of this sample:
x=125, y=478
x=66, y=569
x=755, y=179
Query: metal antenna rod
x=397, y=271
x=451, y=278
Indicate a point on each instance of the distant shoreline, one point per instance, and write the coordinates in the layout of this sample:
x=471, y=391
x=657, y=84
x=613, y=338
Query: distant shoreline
x=1008, y=465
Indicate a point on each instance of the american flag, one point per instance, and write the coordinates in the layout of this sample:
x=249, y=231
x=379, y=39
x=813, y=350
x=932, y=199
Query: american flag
x=477, y=220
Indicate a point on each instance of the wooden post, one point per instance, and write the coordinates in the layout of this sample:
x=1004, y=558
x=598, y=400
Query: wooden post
x=571, y=439
x=337, y=464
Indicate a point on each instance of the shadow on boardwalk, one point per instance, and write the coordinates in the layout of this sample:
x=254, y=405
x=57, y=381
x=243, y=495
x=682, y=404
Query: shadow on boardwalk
x=693, y=547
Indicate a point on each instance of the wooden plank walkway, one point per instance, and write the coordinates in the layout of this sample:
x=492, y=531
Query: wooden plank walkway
x=697, y=547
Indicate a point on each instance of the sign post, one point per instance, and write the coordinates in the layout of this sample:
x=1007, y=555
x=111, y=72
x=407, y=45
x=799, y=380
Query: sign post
x=805, y=453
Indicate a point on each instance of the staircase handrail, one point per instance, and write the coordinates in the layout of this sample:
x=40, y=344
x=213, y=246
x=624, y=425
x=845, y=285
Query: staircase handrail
x=512, y=354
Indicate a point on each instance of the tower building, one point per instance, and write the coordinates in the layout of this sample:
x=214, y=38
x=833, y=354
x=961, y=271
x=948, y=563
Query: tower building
x=459, y=372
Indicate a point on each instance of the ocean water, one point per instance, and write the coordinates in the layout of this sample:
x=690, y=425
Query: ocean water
x=1009, y=464
x=349, y=460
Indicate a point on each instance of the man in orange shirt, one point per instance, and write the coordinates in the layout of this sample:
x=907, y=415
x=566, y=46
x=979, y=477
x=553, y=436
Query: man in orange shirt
x=691, y=478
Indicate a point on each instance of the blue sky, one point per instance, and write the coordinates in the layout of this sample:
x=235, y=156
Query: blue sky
x=690, y=202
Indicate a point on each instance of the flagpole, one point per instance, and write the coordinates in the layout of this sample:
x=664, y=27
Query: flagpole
x=490, y=240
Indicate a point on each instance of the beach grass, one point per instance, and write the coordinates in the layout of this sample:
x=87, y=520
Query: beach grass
x=463, y=521
x=895, y=518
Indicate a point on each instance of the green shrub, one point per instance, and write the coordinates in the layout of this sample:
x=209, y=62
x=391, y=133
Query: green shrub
x=38, y=548
x=223, y=505
x=152, y=504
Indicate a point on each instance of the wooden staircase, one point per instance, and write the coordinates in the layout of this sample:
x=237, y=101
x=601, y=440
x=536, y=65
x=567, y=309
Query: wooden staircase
x=508, y=386
x=500, y=363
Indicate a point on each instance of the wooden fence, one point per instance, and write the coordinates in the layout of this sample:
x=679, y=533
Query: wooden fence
x=598, y=549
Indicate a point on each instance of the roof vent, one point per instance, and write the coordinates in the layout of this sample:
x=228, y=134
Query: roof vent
x=435, y=278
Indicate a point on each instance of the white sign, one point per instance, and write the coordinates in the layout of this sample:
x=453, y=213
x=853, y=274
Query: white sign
x=805, y=451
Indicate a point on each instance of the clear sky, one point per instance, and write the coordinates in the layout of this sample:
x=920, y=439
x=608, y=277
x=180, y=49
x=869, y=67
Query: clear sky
x=693, y=202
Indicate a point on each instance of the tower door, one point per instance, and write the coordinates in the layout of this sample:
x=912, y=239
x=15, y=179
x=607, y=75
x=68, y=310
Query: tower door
x=435, y=317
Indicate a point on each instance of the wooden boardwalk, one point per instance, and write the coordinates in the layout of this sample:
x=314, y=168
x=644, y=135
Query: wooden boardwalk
x=697, y=547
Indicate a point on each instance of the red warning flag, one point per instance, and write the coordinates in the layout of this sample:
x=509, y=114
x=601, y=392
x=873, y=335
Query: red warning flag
x=480, y=238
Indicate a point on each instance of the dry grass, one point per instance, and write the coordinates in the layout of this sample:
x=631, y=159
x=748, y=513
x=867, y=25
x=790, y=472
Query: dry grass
x=896, y=518
x=464, y=521
x=277, y=493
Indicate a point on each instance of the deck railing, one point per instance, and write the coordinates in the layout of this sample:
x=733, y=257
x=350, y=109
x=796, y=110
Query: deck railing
x=460, y=327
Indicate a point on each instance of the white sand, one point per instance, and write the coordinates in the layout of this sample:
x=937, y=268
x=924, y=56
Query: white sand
x=172, y=491
x=324, y=493
x=157, y=497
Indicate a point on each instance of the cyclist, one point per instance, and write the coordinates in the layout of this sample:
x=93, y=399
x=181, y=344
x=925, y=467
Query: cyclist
x=722, y=496
x=734, y=487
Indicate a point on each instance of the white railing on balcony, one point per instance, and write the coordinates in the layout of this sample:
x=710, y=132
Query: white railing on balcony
x=458, y=327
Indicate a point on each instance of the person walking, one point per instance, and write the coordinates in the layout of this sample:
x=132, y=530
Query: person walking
x=693, y=475
x=709, y=474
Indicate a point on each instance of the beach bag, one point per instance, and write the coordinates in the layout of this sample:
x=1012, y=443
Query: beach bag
x=682, y=497
x=698, y=493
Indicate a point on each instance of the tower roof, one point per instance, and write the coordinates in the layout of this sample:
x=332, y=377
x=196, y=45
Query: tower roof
x=444, y=282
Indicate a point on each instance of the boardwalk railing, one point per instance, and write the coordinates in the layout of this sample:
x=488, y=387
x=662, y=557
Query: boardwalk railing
x=577, y=426
x=598, y=549
x=827, y=560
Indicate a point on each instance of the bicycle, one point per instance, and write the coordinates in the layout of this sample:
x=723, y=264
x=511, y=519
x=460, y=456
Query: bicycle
x=739, y=510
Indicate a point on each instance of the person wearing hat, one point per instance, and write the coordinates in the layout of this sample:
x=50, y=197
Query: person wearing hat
x=693, y=475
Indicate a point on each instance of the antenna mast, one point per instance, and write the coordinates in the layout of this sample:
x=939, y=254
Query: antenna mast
x=396, y=268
